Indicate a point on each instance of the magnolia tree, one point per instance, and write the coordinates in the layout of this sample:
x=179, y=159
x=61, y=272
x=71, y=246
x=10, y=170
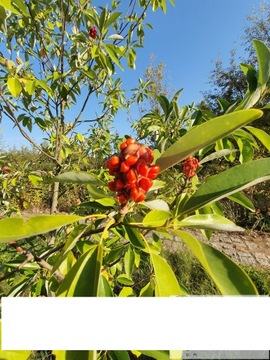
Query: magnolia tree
x=112, y=245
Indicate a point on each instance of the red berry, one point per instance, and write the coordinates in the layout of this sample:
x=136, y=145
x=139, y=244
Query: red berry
x=153, y=171
x=145, y=184
x=142, y=168
x=137, y=194
x=124, y=167
x=131, y=176
x=131, y=150
x=114, y=161
x=111, y=185
x=123, y=145
x=131, y=160
x=119, y=184
x=122, y=198
x=130, y=141
x=92, y=32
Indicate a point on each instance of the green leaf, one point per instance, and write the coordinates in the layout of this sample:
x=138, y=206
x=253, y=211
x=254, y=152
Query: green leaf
x=12, y=229
x=83, y=278
x=104, y=288
x=124, y=280
x=78, y=177
x=16, y=6
x=115, y=37
x=166, y=282
x=263, y=56
x=129, y=260
x=206, y=134
x=156, y=218
x=107, y=202
x=30, y=86
x=134, y=236
x=112, y=52
x=157, y=204
x=118, y=355
x=208, y=221
x=157, y=354
x=72, y=354
x=261, y=135
x=112, y=18
x=226, y=274
x=14, y=86
x=242, y=200
x=217, y=155
x=228, y=182
x=3, y=14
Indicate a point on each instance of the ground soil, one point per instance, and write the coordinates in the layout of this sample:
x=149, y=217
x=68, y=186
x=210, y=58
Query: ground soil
x=250, y=248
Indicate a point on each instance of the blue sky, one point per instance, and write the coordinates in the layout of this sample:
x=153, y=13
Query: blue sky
x=188, y=39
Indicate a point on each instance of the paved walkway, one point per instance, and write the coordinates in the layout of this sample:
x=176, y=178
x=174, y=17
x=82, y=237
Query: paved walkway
x=248, y=248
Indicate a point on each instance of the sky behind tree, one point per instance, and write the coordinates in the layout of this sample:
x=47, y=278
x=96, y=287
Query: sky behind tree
x=188, y=40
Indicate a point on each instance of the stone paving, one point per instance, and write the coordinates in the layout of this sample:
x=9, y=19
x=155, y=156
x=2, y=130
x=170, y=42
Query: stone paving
x=248, y=248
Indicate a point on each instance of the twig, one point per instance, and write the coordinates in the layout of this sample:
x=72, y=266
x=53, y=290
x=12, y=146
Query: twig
x=32, y=257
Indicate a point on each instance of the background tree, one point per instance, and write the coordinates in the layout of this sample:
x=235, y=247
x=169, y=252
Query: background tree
x=229, y=82
x=54, y=54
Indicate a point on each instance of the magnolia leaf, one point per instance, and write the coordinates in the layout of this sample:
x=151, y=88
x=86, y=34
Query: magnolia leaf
x=84, y=277
x=156, y=218
x=16, y=6
x=115, y=37
x=12, y=229
x=261, y=135
x=157, y=354
x=226, y=274
x=14, y=86
x=166, y=282
x=263, y=56
x=205, y=134
x=242, y=200
x=217, y=155
x=78, y=177
x=208, y=221
x=228, y=182
x=72, y=354
x=157, y=204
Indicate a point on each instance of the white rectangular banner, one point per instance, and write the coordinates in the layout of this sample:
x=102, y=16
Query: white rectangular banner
x=195, y=322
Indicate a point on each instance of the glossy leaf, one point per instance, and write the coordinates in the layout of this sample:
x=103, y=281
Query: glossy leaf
x=166, y=282
x=217, y=155
x=71, y=354
x=205, y=134
x=226, y=274
x=14, y=86
x=157, y=204
x=263, y=56
x=83, y=278
x=208, y=221
x=242, y=200
x=157, y=354
x=16, y=6
x=12, y=229
x=156, y=218
x=261, y=135
x=78, y=177
x=104, y=288
x=118, y=355
x=135, y=237
x=229, y=182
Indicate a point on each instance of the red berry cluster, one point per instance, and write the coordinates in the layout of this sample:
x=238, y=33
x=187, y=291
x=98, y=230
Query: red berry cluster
x=189, y=167
x=92, y=32
x=132, y=171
